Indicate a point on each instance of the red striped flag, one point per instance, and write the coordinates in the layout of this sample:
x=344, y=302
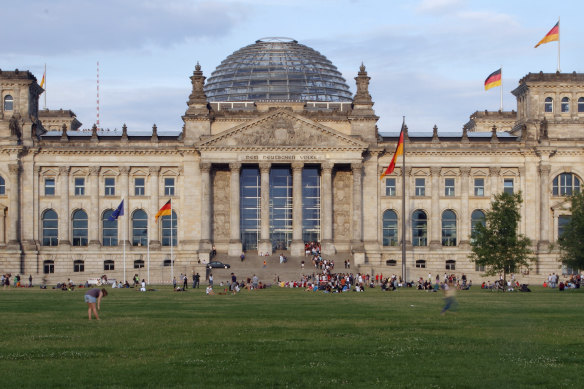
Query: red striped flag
x=553, y=35
x=493, y=80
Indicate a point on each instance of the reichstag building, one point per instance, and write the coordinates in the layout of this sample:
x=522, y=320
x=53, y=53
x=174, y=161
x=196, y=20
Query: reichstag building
x=276, y=151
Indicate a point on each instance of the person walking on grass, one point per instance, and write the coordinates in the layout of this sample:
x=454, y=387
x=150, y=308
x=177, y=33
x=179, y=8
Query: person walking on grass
x=92, y=297
x=449, y=297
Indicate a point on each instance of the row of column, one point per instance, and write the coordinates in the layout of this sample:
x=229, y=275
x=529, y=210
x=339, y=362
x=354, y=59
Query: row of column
x=265, y=244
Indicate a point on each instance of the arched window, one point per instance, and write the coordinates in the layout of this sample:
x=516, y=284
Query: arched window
x=109, y=229
x=8, y=103
x=108, y=265
x=48, y=267
x=565, y=106
x=78, y=266
x=448, y=228
x=419, y=228
x=138, y=264
x=477, y=217
x=549, y=104
x=50, y=222
x=2, y=186
x=169, y=229
x=566, y=184
x=581, y=104
x=80, y=228
x=139, y=228
x=389, y=228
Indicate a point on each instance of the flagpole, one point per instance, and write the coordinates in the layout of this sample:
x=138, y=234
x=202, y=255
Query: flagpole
x=404, y=202
x=148, y=249
x=501, y=88
x=171, y=244
x=559, y=70
x=125, y=237
x=45, y=74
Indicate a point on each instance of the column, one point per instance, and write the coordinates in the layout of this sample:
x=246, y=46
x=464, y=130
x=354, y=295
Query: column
x=64, y=215
x=544, y=217
x=494, y=173
x=327, y=245
x=435, y=217
x=464, y=232
x=93, y=214
x=2, y=225
x=125, y=194
x=357, y=217
x=265, y=245
x=13, y=208
x=405, y=175
x=235, y=247
x=205, y=246
x=35, y=204
x=190, y=212
x=154, y=206
x=297, y=248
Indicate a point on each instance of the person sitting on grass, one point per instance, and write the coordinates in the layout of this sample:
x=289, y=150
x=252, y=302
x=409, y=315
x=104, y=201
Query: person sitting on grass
x=209, y=290
x=91, y=297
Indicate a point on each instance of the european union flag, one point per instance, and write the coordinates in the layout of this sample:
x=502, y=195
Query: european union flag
x=118, y=212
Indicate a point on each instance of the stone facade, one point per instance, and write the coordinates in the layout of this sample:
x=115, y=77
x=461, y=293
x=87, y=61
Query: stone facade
x=59, y=185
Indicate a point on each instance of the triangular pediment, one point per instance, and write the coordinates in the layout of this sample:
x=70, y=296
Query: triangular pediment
x=282, y=129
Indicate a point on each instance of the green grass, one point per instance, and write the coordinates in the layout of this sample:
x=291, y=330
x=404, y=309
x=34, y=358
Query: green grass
x=291, y=338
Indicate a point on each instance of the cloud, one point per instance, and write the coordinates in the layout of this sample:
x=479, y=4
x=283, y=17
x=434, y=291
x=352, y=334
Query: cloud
x=438, y=6
x=75, y=26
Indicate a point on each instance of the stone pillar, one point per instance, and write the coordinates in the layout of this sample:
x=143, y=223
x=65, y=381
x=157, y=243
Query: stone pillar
x=154, y=206
x=544, y=217
x=406, y=174
x=125, y=194
x=64, y=214
x=94, y=216
x=2, y=226
x=14, y=208
x=190, y=207
x=465, y=226
x=235, y=246
x=297, y=248
x=327, y=245
x=36, y=194
x=357, y=217
x=494, y=173
x=435, y=216
x=206, y=211
x=265, y=245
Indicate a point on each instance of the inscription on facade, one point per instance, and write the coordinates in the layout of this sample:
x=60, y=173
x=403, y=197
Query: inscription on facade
x=278, y=157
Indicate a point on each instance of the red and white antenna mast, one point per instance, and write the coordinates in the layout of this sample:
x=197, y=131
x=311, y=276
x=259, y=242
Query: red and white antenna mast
x=97, y=123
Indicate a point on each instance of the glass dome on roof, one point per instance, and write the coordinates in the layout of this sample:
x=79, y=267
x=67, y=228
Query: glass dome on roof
x=276, y=69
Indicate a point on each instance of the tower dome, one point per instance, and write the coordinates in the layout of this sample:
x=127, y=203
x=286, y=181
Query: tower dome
x=276, y=69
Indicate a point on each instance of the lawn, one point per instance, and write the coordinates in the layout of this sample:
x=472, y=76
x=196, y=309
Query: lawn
x=291, y=338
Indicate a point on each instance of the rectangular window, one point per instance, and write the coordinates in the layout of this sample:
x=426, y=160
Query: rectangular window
x=508, y=185
x=110, y=186
x=48, y=267
x=390, y=187
x=449, y=187
x=420, y=186
x=480, y=268
x=49, y=186
x=169, y=186
x=139, y=186
x=78, y=266
x=479, y=187
x=79, y=186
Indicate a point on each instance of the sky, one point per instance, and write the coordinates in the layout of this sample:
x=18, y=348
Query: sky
x=427, y=59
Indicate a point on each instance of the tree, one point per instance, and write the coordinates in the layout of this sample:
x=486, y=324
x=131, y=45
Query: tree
x=571, y=240
x=497, y=245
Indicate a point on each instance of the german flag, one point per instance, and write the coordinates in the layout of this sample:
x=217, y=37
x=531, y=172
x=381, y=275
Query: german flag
x=493, y=80
x=166, y=209
x=399, y=150
x=553, y=35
